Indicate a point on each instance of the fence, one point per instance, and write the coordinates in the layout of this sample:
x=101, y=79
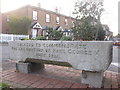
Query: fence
x=11, y=37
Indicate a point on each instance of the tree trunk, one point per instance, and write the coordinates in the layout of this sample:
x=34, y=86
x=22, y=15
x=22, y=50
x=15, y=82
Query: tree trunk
x=98, y=26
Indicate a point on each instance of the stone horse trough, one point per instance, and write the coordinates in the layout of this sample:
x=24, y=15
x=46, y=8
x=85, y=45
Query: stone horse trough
x=92, y=57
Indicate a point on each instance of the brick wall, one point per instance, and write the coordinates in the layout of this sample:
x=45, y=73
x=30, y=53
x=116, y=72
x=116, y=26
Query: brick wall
x=5, y=28
x=41, y=17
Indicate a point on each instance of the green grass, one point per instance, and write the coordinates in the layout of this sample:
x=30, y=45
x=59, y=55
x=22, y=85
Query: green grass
x=3, y=85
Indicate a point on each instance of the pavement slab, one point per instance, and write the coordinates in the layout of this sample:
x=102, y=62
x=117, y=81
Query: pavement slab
x=53, y=77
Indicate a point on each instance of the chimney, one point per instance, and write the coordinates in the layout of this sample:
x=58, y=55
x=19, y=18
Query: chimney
x=39, y=5
x=56, y=10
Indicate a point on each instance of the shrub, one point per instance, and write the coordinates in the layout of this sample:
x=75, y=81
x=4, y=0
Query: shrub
x=54, y=34
x=34, y=38
x=25, y=39
x=66, y=38
x=41, y=38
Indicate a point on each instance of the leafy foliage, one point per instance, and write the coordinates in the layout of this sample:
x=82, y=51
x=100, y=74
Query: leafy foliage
x=83, y=9
x=66, y=38
x=41, y=38
x=101, y=33
x=54, y=34
x=19, y=25
x=89, y=14
x=25, y=39
x=84, y=31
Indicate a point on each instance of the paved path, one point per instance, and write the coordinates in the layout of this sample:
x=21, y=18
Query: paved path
x=4, y=51
x=54, y=77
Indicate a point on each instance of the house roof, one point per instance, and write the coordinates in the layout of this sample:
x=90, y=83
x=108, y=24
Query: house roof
x=67, y=30
x=31, y=26
x=57, y=27
x=45, y=28
x=48, y=11
x=38, y=8
x=35, y=25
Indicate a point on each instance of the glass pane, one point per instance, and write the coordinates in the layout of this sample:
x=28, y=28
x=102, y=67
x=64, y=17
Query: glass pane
x=57, y=20
x=34, y=15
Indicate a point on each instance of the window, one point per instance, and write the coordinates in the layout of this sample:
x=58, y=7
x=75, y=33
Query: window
x=66, y=22
x=57, y=20
x=8, y=19
x=47, y=18
x=73, y=24
x=34, y=15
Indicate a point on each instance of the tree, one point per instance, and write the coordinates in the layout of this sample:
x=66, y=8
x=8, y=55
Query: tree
x=54, y=34
x=89, y=14
x=19, y=25
x=84, y=31
x=84, y=9
x=101, y=33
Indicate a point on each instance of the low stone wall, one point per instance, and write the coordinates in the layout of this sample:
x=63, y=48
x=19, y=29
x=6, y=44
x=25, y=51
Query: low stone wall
x=92, y=57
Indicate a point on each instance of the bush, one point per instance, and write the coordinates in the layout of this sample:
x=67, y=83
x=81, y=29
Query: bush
x=66, y=38
x=54, y=34
x=39, y=38
x=25, y=39
x=34, y=38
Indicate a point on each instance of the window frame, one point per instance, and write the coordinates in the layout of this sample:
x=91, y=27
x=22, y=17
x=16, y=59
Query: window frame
x=57, y=20
x=66, y=22
x=47, y=18
x=35, y=15
x=73, y=23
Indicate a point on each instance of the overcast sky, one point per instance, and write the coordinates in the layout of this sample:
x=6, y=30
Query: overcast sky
x=110, y=16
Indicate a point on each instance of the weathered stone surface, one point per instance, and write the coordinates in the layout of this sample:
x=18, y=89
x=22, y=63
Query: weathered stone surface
x=29, y=67
x=83, y=55
x=23, y=67
x=92, y=78
x=35, y=67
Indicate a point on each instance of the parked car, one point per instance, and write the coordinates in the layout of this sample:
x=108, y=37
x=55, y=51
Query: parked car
x=116, y=43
